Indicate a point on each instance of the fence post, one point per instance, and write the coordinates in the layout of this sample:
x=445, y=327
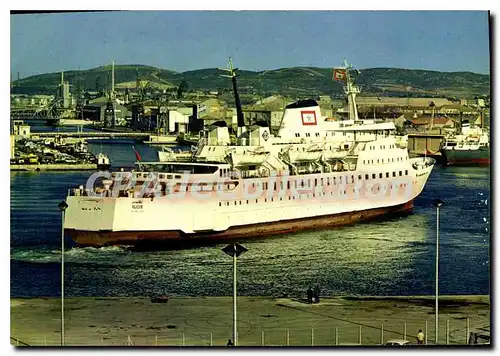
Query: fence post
x=447, y=331
x=312, y=336
x=262, y=338
x=211, y=340
x=183, y=340
x=287, y=337
x=467, y=330
x=359, y=335
x=404, y=331
x=382, y=335
x=426, y=332
x=336, y=335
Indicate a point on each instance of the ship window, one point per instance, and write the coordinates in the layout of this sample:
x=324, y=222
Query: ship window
x=274, y=185
x=400, y=173
x=162, y=175
x=288, y=185
x=387, y=174
x=380, y=175
x=256, y=200
x=308, y=134
x=393, y=174
x=406, y=172
x=272, y=199
x=178, y=176
x=322, y=182
x=327, y=180
x=227, y=203
x=315, y=182
x=220, y=204
x=240, y=202
x=235, y=202
x=352, y=179
x=317, y=134
x=374, y=176
x=297, y=135
x=334, y=180
x=265, y=200
x=378, y=160
x=247, y=201
x=360, y=177
x=220, y=172
x=367, y=176
x=340, y=179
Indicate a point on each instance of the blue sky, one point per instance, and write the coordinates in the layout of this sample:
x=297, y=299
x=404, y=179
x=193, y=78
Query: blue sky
x=257, y=40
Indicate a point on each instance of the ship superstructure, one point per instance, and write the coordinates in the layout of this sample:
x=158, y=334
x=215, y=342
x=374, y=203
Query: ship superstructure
x=313, y=172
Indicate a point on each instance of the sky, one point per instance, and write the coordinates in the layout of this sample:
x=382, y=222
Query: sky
x=256, y=40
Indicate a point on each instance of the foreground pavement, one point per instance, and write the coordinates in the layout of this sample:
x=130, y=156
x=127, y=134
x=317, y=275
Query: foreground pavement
x=205, y=321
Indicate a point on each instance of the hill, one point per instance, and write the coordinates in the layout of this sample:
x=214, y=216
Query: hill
x=297, y=81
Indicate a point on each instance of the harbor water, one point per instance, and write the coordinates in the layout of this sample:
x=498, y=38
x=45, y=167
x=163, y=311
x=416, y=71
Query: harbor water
x=393, y=256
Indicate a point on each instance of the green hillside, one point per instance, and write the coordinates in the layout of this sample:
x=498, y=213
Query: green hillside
x=297, y=81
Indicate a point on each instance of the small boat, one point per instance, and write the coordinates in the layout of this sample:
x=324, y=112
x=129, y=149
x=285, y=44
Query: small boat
x=103, y=163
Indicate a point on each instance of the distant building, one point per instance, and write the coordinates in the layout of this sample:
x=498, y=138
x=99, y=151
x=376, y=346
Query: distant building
x=20, y=129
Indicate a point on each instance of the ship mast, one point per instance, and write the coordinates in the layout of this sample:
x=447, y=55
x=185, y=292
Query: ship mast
x=239, y=112
x=351, y=91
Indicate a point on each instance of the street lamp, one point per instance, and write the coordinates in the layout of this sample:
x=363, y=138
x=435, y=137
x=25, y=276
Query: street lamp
x=437, y=203
x=234, y=250
x=62, y=206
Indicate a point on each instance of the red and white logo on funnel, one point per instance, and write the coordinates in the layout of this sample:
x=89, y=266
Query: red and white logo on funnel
x=308, y=117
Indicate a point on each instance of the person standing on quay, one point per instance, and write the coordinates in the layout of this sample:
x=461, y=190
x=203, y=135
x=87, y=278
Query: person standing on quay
x=420, y=337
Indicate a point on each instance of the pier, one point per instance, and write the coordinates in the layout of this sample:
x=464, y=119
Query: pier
x=138, y=135
x=54, y=167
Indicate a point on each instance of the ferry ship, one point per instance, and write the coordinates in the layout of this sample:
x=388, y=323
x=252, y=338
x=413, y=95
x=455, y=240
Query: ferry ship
x=314, y=172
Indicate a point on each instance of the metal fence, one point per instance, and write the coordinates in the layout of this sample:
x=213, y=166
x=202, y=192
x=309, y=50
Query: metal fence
x=452, y=332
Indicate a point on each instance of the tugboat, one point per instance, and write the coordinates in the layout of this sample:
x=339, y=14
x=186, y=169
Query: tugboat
x=103, y=163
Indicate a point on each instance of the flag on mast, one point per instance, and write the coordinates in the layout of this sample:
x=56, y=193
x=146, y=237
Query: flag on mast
x=339, y=74
x=137, y=155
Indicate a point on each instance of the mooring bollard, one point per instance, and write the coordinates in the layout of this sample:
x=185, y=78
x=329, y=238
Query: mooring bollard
x=312, y=337
x=359, y=335
x=336, y=335
x=287, y=337
x=382, y=335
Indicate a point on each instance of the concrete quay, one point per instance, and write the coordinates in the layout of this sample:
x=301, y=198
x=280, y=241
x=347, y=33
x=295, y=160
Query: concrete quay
x=207, y=321
x=54, y=167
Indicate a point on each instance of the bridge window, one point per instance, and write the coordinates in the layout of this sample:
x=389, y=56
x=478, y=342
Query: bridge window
x=406, y=172
x=400, y=173
x=380, y=175
x=374, y=176
x=393, y=174
x=367, y=176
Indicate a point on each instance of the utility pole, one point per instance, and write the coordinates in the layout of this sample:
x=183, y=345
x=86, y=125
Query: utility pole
x=437, y=203
x=235, y=250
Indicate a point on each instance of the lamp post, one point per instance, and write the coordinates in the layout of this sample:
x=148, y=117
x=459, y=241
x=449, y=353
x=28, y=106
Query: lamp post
x=234, y=250
x=62, y=206
x=437, y=203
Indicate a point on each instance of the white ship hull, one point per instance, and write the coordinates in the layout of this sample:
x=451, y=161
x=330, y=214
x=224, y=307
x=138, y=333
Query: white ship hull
x=97, y=221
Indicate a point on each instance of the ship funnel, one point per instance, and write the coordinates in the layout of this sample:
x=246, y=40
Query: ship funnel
x=301, y=119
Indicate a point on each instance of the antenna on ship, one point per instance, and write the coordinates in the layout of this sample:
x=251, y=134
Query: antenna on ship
x=239, y=112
